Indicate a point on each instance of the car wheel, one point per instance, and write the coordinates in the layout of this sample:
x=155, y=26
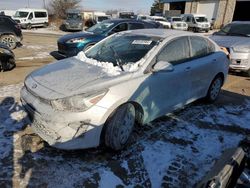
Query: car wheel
x=28, y=26
x=248, y=73
x=9, y=40
x=8, y=65
x=214, y=89
x=119, y=127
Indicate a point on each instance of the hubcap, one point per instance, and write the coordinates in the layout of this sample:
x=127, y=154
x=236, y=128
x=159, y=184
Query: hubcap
x=8, y=41
x=215, y=88
x=127, y=124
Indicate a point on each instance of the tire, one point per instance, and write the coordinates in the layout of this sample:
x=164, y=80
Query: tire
x=119, y=127
x=214, y=89
x=248, y=73
x=8, y=64
x=28, y=26
x=46, y=24
x=9, y=40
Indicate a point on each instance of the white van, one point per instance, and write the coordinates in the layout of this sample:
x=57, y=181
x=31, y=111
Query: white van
x=29, y=18
x=197, y=22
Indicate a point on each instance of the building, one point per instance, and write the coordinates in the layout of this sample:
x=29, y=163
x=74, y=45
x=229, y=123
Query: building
x=222, y=11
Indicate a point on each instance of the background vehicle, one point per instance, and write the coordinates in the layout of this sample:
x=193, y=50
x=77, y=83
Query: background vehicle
x=98, y=96
x=10, y=13
x=74, y=20
x=126, y=15
x=235, y=37
x=29, y=18
x=7, y=58
x=10, y=32
x=71, y=44
x=196, y=22
x=177, y=23
x=162, y=21
x=100, y=16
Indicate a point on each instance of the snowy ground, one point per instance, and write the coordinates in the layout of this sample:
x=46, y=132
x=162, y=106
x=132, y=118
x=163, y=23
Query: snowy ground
x=174, y=151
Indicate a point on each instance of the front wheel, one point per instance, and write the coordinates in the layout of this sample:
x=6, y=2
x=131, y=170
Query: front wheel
x=214, y=89
x=119, y=127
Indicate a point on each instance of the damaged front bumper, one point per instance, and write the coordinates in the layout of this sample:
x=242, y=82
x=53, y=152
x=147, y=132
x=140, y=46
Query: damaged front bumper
x=61, y=129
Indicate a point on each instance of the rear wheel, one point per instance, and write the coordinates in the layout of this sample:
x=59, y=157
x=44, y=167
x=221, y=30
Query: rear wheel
x=28, y=26
x=9, y=40
x=214, y=89
x=119, y=127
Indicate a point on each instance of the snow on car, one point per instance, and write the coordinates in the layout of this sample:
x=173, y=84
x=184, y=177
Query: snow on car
x=78, y=104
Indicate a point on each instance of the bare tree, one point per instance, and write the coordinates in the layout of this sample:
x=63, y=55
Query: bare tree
x=59, y=7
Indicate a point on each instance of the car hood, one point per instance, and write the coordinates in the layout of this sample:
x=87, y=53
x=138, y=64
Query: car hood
x=70, y=77
x=231, y=41
x=85, y=34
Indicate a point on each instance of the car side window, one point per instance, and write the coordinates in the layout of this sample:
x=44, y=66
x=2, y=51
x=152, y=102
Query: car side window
x=175, y=52
x=188, y=19
x=133, y=26
x=31, y=16
x=201, y=47
x=120, y=27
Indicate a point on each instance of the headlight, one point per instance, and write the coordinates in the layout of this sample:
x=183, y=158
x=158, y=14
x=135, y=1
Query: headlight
x=77, y=40
x=242, y=49
x=78, y=103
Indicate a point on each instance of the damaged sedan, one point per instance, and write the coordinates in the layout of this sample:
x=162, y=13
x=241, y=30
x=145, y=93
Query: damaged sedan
x=96, y=97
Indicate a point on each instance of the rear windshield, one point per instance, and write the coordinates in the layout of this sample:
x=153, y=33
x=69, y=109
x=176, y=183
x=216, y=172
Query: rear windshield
x=201, y=19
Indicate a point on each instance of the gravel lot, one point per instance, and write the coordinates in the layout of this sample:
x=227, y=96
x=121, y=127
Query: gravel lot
x=176, y=150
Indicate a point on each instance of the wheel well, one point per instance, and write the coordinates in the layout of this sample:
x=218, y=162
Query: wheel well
x=220, y=75
x=138, y=118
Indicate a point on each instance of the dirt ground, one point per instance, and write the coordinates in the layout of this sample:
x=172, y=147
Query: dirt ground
x=176, y=150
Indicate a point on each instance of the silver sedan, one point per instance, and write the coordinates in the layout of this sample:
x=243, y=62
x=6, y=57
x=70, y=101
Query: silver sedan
x=235, y=37
x=130, y=77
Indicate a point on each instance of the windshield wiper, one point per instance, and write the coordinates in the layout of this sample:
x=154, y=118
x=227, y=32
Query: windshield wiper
x=118, y=59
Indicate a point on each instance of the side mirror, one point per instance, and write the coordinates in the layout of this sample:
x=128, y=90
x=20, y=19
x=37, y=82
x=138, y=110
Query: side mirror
x=163, y=66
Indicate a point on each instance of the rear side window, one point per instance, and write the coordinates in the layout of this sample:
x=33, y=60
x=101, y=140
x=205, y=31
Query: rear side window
x=133, y=26
x=201, y=47
x=176, y=52
x=120, y=27
x=40, y=14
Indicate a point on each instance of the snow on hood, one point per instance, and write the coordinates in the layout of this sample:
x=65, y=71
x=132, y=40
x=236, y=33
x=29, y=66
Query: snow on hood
x=108, y=67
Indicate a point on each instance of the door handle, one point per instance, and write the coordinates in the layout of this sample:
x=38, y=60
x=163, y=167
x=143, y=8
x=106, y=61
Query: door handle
x=188, y=68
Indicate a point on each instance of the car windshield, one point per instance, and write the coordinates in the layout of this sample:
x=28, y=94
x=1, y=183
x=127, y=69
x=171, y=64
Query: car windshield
x=122, y=49
x=74, y=16
x=101, y=28
x=177, y=19
x=201, y=19
x=20, y=14
x=235, y=29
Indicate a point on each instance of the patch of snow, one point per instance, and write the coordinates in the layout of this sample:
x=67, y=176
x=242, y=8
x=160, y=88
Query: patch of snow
x=40, y=55
x=109, y=180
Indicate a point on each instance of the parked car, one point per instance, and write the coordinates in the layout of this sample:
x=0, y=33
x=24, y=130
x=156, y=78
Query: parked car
x=71, y=44
x=29, y=18
x=134, y=76
x=162, y=21
x=177, y=23
x=10, y=32
x=235, y=37
x=7, y=58
x=197, y=22
x=74, y=20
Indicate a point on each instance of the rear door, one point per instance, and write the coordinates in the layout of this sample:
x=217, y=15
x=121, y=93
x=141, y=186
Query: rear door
x=203, y=65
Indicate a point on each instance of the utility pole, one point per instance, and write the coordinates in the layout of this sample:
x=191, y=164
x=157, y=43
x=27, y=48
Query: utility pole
x=28, y=3
x=44, y=3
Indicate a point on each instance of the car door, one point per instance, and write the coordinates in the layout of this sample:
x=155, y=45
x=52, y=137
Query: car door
x=163, y=91
x=119, y=28
x=31, y=18
x=202, y=66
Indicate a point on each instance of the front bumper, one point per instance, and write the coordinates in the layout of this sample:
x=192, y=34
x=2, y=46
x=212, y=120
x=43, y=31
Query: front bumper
x=239, y=61
x=69, y=50
x=63, y=130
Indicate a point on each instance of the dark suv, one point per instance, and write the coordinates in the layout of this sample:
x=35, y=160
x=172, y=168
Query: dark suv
x=10, y=32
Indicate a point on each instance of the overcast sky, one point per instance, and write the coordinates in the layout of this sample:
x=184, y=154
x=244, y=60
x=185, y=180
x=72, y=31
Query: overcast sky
x=135, y=5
